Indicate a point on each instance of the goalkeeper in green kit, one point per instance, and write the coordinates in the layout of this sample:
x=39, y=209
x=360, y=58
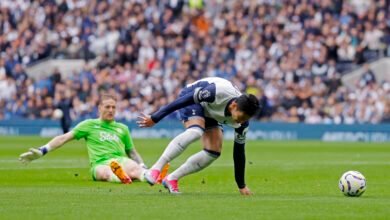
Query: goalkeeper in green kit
x=111, y=151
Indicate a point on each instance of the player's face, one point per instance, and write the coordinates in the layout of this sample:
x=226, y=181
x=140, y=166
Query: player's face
x=107, y=109
x=238, y=116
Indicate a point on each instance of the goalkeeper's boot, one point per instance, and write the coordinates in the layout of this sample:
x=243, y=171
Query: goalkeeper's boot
x=171, y=185
x=163, y=173
x=119, y=172
x=151, y=176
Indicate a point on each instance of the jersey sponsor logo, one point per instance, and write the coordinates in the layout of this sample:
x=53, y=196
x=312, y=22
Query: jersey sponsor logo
x=104, y=136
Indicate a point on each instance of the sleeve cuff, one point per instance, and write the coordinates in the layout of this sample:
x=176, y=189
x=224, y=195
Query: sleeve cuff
x=241, y=186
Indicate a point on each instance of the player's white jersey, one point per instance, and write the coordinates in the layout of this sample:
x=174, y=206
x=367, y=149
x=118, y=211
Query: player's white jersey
x=215, y=94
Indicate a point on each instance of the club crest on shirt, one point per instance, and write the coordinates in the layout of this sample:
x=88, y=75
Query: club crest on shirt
x=104, y=136
x=204, y=94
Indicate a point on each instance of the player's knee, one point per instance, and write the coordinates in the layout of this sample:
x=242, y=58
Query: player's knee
x=132, y=168
x=195, y=131
x=103, y=175
x=135, y=173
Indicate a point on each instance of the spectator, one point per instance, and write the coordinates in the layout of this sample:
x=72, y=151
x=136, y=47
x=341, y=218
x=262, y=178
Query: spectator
x=292, y=56
x=367, y=77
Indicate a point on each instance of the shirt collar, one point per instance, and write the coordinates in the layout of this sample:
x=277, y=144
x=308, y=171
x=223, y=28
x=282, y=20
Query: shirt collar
x=227, y=112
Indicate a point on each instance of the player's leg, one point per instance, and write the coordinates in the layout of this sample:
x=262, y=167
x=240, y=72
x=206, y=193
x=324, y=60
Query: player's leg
x=212, y=142
x=110, y=171
x=104, y=173
x=117, y=167
x=194, y=130
x=194, y=123
x=133, y=169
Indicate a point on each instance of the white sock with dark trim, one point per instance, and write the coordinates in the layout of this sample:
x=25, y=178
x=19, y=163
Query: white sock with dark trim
x=194, y=164
x=178, y=145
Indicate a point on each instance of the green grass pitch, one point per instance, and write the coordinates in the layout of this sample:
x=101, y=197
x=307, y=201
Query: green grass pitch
x=290, y=180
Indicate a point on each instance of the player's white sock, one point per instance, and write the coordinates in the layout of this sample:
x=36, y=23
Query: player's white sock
x=178, y=145
x=141, y=177
x=114, y=178
x=194, y=164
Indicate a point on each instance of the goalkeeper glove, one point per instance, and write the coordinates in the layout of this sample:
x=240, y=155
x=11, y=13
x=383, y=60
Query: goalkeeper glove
x=33, y=154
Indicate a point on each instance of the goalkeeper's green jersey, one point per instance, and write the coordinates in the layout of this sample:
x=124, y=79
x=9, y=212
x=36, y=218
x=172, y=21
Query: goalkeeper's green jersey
x=105, y=140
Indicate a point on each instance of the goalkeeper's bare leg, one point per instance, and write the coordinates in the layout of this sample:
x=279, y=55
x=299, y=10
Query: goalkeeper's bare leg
x=136, y=171
x=123, y=171
x=118, y=170
x=104, y=173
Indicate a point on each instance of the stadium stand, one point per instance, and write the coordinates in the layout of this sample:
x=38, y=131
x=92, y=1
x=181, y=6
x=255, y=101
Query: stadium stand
x=291, y=54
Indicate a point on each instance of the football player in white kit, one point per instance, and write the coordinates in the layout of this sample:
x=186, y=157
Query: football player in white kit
x=204, y=106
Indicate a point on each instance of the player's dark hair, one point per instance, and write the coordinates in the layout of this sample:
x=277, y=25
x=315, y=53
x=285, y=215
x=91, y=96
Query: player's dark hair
x=106, y=96
x=249, y=104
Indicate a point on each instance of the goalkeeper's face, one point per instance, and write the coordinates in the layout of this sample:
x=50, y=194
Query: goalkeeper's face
x=107, y=110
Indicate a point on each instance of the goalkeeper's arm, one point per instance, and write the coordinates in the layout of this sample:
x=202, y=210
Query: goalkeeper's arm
x=133, y=154
x=53, y=144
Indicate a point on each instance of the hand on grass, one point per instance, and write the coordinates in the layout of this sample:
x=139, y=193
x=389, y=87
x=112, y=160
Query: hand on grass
x=245, y=191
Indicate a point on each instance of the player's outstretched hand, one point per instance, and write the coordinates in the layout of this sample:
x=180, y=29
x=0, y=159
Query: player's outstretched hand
x=245, y=191
x=145, y=121
x=30, y=155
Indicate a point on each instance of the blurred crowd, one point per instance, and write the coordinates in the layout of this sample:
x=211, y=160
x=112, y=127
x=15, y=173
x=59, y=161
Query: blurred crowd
x=290, y=53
